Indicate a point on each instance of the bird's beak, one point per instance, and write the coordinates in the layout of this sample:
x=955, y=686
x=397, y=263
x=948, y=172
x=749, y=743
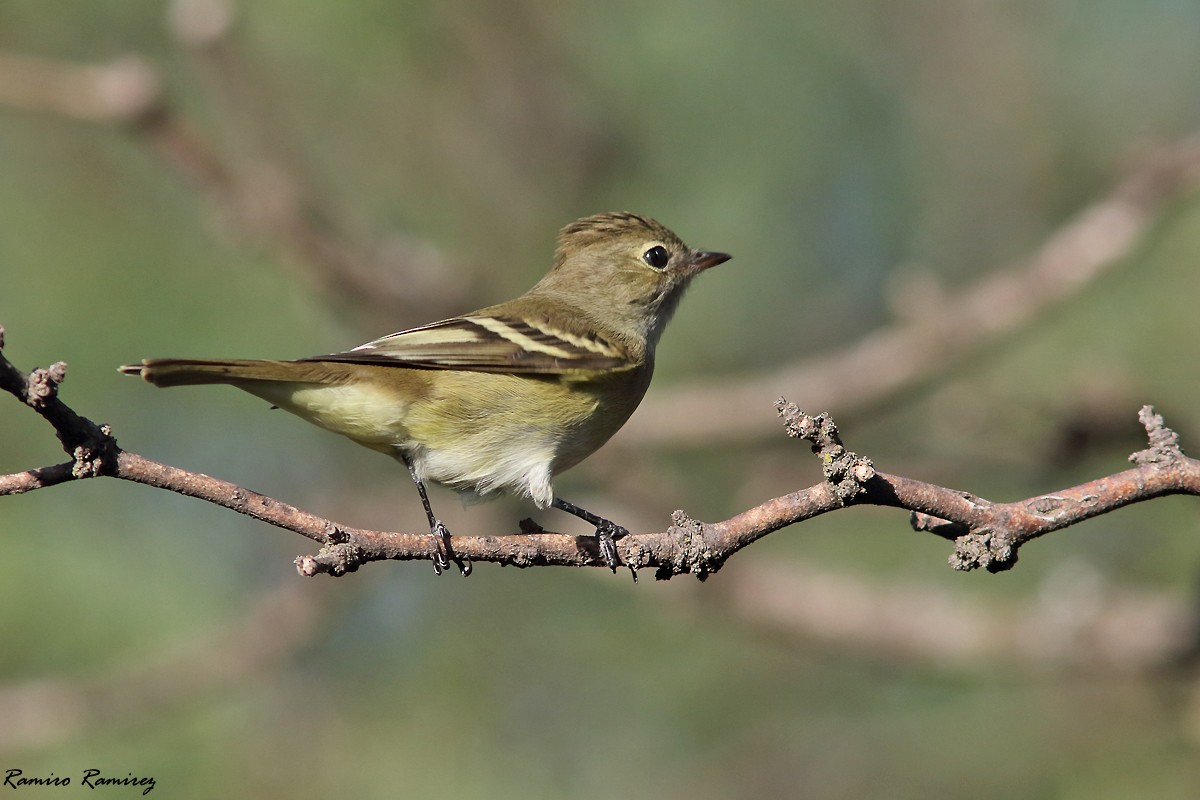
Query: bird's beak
x=702, y=260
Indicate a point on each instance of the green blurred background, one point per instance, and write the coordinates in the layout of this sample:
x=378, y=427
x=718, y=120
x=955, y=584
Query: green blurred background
x=833, y=148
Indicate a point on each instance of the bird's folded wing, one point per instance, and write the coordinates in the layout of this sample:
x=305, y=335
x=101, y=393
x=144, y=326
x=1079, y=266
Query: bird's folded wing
x=490, y=344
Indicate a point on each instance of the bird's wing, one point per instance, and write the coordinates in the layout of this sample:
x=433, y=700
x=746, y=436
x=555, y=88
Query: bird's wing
x=487, y=343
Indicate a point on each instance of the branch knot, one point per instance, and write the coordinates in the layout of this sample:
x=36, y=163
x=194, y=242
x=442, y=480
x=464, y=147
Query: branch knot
x=992, y=550
x=334, y=559
x=43, y=383
x=93, y=457
x=845, y=470
x=1164, y=450
x=692, y=553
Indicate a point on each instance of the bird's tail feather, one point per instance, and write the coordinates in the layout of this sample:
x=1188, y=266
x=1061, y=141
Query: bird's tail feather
x=185, y=371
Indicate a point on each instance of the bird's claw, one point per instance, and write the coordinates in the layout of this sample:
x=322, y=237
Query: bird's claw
x=607, y=534
x=439, y=559
x=443, y=553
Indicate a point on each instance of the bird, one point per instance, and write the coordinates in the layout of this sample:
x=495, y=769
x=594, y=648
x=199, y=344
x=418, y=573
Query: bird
x=503, y=399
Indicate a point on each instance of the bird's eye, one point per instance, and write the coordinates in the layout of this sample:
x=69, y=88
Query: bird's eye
x=656, y=257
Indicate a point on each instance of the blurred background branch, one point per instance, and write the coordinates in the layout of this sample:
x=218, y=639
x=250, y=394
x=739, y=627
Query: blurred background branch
x=123, y=91
x=935, y=330
x=1076, y=622
x=257, y=197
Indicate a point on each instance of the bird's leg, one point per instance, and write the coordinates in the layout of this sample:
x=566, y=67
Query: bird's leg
x=443, y=553
x=607, y=531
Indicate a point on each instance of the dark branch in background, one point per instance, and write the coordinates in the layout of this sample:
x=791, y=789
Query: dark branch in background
x=256, y=181
x=985, y=534
x=936, y=333
x=265, y=202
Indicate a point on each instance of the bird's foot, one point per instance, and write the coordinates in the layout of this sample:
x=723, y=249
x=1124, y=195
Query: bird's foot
x=443, y=552
x=607, y=533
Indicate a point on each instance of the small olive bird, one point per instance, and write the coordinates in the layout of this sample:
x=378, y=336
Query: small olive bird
x=504, y=398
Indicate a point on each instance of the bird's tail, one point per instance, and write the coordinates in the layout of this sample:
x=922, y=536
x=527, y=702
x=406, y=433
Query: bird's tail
x=186, y=371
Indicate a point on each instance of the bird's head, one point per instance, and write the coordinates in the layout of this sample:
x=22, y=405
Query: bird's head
x=630, y=268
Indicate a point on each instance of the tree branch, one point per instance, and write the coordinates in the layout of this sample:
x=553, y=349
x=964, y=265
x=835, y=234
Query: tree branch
x=985, y=534
x=988, y=534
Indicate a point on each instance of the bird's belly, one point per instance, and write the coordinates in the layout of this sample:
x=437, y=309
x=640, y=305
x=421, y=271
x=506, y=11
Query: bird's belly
x=368, y=414
x=487, y=464
x=487, y=433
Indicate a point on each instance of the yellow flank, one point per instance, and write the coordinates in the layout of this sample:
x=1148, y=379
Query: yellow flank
x=361, y=411
x=470, y=431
